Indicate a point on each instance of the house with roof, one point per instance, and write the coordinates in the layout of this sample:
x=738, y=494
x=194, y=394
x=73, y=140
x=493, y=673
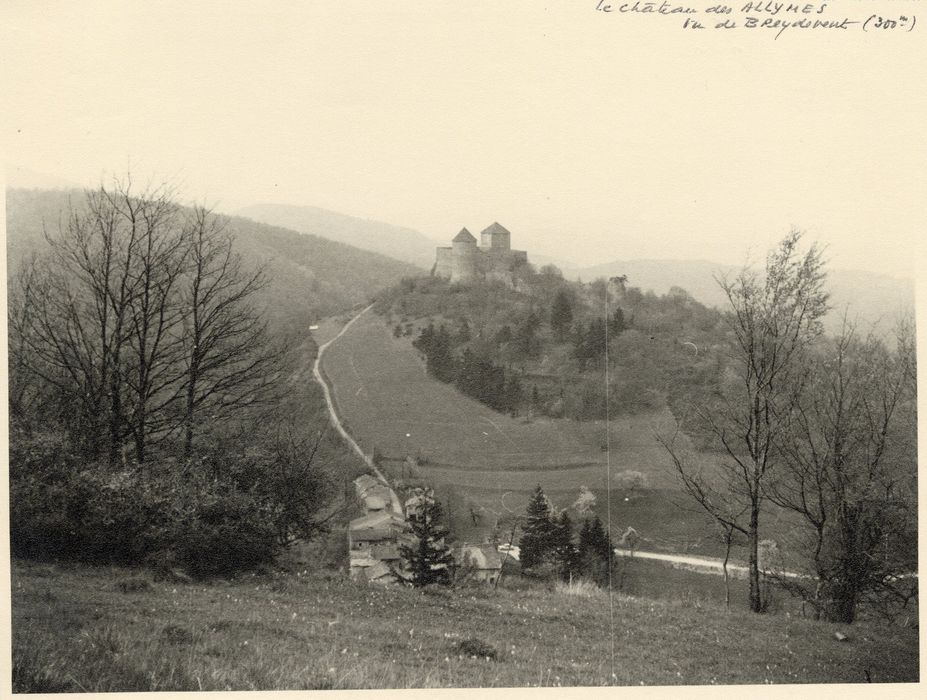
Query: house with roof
x=465, y=261
x=374, y=542
x=481, y=561
x=376, y=496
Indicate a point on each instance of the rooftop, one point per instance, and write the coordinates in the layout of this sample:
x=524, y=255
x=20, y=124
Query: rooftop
x=464, y=237
x=496, y=227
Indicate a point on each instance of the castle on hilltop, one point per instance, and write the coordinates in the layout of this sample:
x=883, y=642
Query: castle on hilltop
x=494, y=258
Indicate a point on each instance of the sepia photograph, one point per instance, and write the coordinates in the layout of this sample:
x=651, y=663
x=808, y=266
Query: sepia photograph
x=474, y=345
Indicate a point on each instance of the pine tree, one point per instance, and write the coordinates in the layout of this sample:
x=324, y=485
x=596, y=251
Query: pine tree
x=595, y=555
x=539, y=532
x=429, y=560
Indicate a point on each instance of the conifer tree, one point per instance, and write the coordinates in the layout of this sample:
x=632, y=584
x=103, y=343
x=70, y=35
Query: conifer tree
x=539, y=531
x=595, y=554
x=429, y=559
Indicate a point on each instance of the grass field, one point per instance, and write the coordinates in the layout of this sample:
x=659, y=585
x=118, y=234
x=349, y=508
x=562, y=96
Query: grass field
x=110, y=629
x=389, y=404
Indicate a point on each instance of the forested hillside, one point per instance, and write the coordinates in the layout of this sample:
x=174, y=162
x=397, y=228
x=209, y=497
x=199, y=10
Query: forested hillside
x=540, y=347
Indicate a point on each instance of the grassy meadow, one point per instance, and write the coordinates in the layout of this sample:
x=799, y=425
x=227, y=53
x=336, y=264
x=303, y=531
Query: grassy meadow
x=81, y=629
x=391, y=406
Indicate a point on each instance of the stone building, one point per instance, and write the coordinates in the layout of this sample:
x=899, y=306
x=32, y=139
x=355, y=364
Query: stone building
x=374, y=542
x=493, y=258
x=481, y=561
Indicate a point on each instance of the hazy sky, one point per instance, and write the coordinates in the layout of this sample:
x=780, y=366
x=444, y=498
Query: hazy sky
x=589, y=136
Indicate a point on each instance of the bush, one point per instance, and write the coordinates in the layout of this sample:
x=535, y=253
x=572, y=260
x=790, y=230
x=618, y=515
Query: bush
x=581, y=588
x=61, y=509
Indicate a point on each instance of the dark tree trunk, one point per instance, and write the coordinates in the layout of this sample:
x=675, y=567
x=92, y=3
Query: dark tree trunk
x=756, y=593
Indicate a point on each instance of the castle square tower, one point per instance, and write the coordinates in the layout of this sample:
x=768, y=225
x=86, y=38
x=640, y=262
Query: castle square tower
x=495, y=237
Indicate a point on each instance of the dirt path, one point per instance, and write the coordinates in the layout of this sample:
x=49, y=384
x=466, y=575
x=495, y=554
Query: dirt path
x=702, y=564
x=333, y=414
x=709, y=565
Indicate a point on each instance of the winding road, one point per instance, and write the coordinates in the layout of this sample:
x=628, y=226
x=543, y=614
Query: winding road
x=333, y=414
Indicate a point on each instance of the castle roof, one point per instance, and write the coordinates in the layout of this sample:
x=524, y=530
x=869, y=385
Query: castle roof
x=464, y=236
x=496, y=227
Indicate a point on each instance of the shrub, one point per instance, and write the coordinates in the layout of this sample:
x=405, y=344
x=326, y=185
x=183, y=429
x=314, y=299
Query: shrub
x=581, y=588
x=159, y=513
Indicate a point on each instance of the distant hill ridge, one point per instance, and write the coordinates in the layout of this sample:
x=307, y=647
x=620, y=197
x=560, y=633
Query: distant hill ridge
x=397, y=242
x=871, y=298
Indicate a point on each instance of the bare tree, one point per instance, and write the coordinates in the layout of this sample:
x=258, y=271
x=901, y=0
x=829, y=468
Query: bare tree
x=155, y=317
x=139, y=322
x=229, y=360
x=848, y=471
x=773, y=321
x=79, y=304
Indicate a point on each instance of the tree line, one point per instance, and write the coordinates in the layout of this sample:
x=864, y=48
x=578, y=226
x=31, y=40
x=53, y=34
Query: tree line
x=475, y=376
x=548, y=544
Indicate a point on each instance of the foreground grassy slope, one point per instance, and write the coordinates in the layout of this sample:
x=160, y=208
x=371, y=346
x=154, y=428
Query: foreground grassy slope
x=111, y=629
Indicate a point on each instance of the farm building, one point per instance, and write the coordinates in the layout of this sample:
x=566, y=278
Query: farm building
x=373, y=543
x=376, y=496
x=482, y=561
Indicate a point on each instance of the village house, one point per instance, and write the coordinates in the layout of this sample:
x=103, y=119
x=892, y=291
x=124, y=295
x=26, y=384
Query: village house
x=373, y=544
x=481, y=561
x=374, y=539
x=376, y=496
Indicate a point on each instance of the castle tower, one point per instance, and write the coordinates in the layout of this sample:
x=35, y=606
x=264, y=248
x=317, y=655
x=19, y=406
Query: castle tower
x=464, y=252
x=496, y=238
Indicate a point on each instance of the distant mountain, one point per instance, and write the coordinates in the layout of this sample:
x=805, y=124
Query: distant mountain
x=870, y=298
x=310, y=277
x=397, y=242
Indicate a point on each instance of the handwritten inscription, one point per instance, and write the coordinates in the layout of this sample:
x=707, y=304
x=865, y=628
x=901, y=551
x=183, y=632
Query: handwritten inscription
x=775, y=16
